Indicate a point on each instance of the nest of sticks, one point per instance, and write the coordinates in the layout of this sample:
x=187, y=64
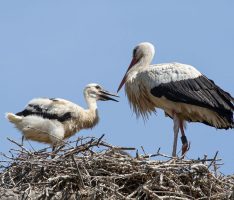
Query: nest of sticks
x=90, y=168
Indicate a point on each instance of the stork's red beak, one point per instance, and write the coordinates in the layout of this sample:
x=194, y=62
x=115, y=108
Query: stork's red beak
x=133, y=62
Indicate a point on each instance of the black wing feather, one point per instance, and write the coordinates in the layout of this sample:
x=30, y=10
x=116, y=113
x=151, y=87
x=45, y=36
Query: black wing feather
x=200, y=91
x=34, y=109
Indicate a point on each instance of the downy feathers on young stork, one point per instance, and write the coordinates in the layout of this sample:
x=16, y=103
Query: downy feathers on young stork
x=51, y=120
x=180, y=90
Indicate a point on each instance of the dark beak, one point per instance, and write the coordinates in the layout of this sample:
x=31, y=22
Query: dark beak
x=105, y=96
x=133, y=62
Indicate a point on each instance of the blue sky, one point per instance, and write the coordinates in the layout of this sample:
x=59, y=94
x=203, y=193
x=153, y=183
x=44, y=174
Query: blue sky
x=54, y=48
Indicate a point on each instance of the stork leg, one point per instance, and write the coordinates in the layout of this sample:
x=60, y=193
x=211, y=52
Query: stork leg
x=183, y=138
x=176, y=131
x=53, y=151
x=53, y=148
x=22, y=140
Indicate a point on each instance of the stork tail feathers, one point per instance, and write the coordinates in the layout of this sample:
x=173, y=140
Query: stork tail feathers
x=13, y=118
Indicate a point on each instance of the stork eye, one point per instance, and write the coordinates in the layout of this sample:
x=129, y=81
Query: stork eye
x=98, y=87
x=134, y=52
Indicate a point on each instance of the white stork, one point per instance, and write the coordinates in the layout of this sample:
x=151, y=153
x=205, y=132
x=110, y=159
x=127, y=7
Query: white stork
x=179, y=89
x=51, y=120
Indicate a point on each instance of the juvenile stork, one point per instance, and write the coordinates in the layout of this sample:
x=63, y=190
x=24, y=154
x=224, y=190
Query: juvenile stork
x=51, y=120
x=179, y=89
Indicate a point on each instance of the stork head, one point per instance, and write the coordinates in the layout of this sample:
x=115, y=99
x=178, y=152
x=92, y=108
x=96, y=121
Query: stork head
x=142, y=55
x=97, y=92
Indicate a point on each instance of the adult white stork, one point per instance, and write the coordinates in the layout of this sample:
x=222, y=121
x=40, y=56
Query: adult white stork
x=179, y=89
x=51, y=120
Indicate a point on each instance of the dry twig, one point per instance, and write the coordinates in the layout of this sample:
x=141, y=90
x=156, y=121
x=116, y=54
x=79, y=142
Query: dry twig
x=90, y=168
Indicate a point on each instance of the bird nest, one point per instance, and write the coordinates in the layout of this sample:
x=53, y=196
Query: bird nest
x=90, y=168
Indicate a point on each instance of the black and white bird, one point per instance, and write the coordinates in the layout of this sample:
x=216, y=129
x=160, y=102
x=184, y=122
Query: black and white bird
x=179, y=89
x=51, y=120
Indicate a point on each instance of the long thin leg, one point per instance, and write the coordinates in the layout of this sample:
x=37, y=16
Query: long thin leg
x=53, y=151
x=176, y=131
x=183, y=138
x=22, y=140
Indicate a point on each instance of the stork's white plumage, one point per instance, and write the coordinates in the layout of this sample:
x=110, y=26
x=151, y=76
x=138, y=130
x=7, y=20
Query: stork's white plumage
x=180, y=90
x=51, y=120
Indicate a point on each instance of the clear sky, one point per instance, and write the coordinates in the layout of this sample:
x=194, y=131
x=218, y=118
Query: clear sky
x=54, y=48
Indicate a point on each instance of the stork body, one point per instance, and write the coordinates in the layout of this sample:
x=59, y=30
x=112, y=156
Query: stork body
x=51, y=120
x=180, y=90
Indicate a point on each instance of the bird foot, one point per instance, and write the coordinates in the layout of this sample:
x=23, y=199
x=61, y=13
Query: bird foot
x=185, y=146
